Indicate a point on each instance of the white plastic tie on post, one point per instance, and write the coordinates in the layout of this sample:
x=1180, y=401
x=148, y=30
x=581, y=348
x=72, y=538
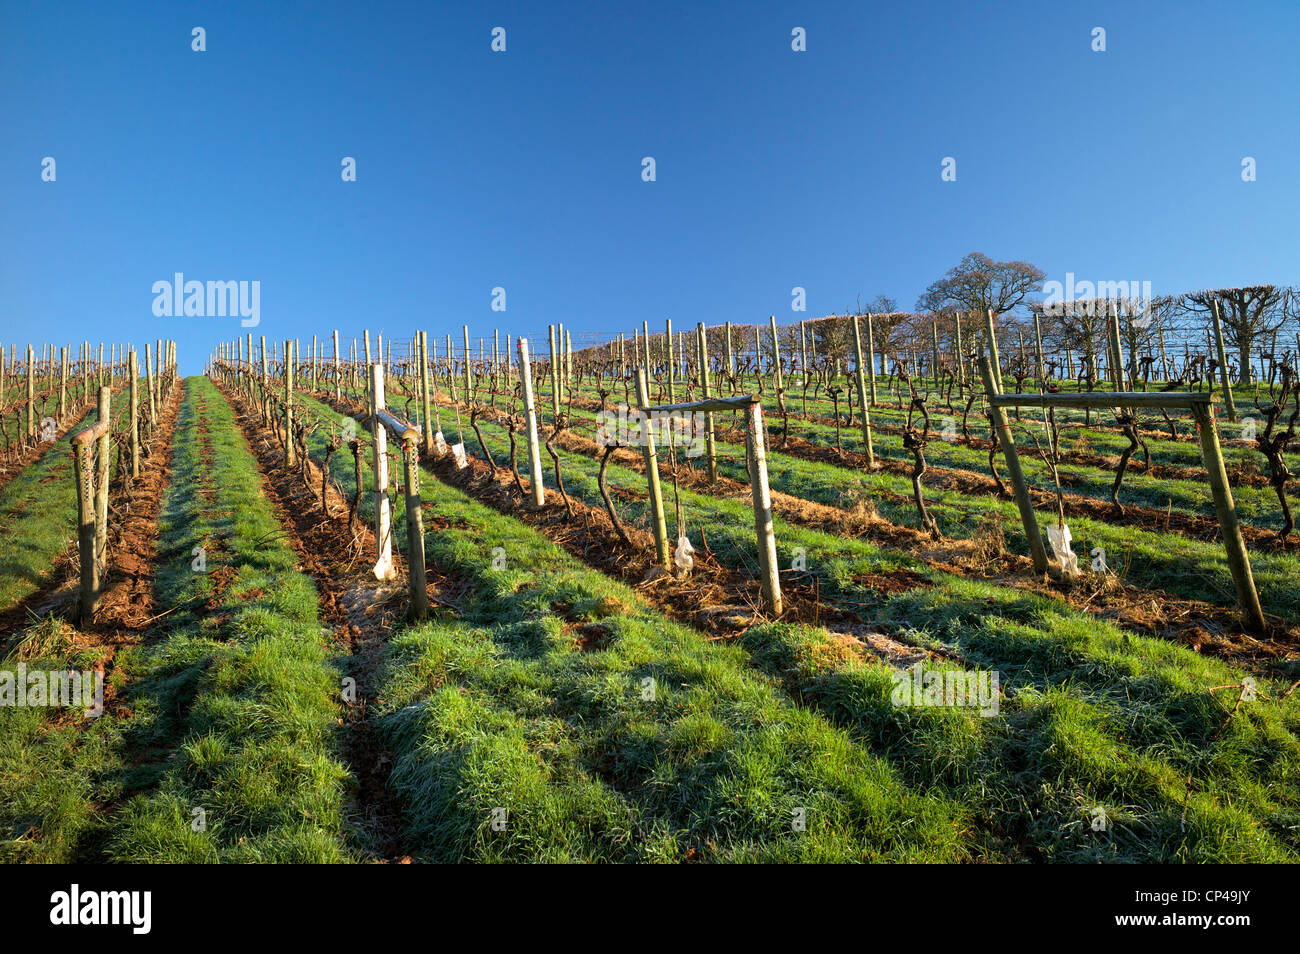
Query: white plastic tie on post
x=458, y=452
x=682, y=555
x=1058, y=537
x=439, y=443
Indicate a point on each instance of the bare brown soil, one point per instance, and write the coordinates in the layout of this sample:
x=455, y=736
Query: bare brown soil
x=1200, y=625
x=126, y=606
x=360, y=610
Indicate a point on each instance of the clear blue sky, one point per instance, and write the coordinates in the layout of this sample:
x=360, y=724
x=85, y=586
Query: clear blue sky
x=522, y=169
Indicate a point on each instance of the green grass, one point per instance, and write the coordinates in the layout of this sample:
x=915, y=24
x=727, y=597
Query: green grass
x=1166, y=561
x=38, y=515
x=233, y=707
x=499, y=707
x=1098, y=717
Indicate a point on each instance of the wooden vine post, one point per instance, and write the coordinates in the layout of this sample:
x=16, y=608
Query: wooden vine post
x=134, y=371
x=83, y=460
x=1229, y=405
x=871, y=360
x=425, y=406
x=657, y=522
x=288, y=403
x=383, y=569
x=409, y=437
x=1116, y=354
x=101, y=477
x=761, y=494
x=776, y=363
x=701, y=338
x=31, y=396
x=1234, y=542
x=1200, y=404
x=668, y=353
x=530, y=413
x=862, y=394
x=961, y=357
x=555, y=378
x=469, y=380
x=1002, y=428
x=991, y=334
x=762, y=499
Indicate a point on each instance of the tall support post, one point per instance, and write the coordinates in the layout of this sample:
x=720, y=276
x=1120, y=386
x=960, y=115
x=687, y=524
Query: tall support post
x=1002, y=427
x=871, y=359
x=31, y=395
x=555, y=378
x=701, y=342
x=731, y=354
x=769, y=570
x=153, y=385
x=1038, y=343
x=289, y=456
x=469, y=378
x=568, y=363
x=645, y=343
x=89, y=588
x=422, y=352
x=63, y=383
x=657, y=522
x=934, y=350
x=338, y=370
x=415, y=574
x=862, y=394
x=961, y=356
x=383, y=569
x=668, y=353
x=101, y=477
x=803, y=363
x=1116, y=354
x=776, y=363
x=530, y=414
x=1234, y=542
x=134, y=373
x=1229, y=404
x=991, y=336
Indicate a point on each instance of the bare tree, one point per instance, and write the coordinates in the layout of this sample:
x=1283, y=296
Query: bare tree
x=1248, y=315
x=978, y=283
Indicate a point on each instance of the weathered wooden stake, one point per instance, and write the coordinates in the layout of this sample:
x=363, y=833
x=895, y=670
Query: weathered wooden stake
x=384, y=569
x=862, y=394
x=422, y=352
x=1234, y=542
x=701, y=339
x=530, y=413
x=1033, y=535
x=657, y=522
x=414, y=526
x=1229, y=404
x=762, y=500
x=101, y=477
x=134, y=372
